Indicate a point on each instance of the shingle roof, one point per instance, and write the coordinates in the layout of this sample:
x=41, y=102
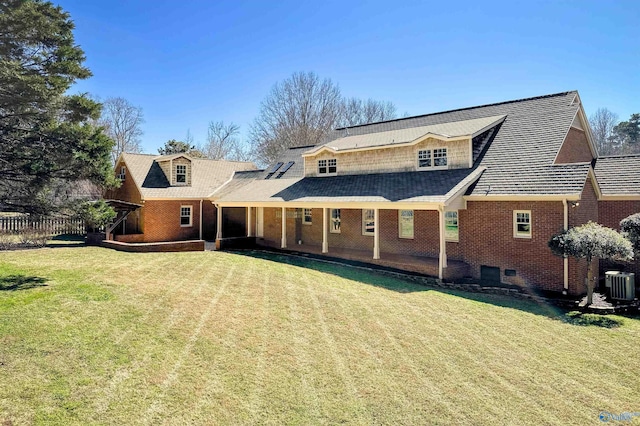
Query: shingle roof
x=530, y=135
x=206, y=176
x=517, y=161
x=470, y=127
x=619, y=175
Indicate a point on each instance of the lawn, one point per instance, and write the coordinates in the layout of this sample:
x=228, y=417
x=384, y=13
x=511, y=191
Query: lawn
x=93, y=336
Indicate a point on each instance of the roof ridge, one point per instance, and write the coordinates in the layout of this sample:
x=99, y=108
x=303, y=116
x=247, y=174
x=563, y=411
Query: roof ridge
x=460, y=109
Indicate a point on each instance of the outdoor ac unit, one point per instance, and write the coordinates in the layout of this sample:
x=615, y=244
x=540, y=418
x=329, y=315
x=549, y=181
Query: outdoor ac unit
x=621, y=285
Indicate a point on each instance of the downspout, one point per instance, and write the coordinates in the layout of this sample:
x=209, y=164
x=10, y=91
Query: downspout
x=200, y=219
x=566, y=259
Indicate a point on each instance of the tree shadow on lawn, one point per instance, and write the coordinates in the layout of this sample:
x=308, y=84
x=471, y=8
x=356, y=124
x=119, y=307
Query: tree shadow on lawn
x=21, y=282
x=359, y=272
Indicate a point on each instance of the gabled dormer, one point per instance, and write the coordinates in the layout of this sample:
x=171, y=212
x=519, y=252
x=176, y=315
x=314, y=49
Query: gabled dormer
x=442, y=146
x=177, y=168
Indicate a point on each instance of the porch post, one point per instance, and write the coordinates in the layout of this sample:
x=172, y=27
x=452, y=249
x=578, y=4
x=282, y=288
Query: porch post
x=283, y=244
x=248, y=221
x=218, y=222
x=376, y=234
x=200, y=233
x=325, y=230
x=442, y=262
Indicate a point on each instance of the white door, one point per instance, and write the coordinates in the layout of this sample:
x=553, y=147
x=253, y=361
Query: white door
x=260, y=222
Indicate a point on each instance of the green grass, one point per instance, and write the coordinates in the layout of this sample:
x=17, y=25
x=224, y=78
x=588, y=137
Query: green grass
x=94, y=336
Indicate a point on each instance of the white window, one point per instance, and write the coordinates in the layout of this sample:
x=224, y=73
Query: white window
x=405, y=223
x=368, y=222
x=432, y=159
x=335, y=221
x=185, y=215
x=123, y=173
x=522, y=223
x=328, y=167
x=451, y=226
x=306, y=217
x=181, y=173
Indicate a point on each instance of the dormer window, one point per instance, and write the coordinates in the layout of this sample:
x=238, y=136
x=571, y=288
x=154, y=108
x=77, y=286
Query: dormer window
x=328, y=167
x=432, y=159
x=181, y=173
x=123, y=173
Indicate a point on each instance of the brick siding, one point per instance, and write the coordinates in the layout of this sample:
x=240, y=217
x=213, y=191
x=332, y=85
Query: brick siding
x=575, y=148
x=611, y=213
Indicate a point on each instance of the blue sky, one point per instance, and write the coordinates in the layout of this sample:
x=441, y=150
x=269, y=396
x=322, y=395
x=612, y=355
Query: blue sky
x=187, y=63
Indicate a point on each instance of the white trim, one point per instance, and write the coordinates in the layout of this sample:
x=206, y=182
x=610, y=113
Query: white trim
x=376, y=234
x=283, y=220
x=395, y=145
x=375, y=225
x=433, y=159
x=512, y=197
x=331, y=230
x=517, y=234
x=218, y=221
x=457, y=239
x=200, y=231
x=413, y=232
x=190, y=207
x=325, y=231
x=249, y=221
x=304, y=216
x=327, y=167
x=565, y=260
x=442, y=257
x=260, y=222
x=620, y=197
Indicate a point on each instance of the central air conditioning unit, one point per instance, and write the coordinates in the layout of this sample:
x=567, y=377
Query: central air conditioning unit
x=621, y=285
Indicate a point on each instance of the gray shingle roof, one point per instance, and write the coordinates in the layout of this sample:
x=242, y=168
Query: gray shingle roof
x=517, y=161
x=206, y=176
x=619, y=175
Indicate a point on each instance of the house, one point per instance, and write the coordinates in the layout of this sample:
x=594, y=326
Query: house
x=165, y=198
x=474, y=192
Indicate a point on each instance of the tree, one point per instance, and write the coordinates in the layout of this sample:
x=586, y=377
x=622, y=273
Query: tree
x=178, y=147
x=630, y=227
x=223, y=143
x=590, y=241
x=303, y=109
x=46, y=136
x=96, y=214
x=356, y=111
x=122, y=122
x=602, y=123
x=628, y=132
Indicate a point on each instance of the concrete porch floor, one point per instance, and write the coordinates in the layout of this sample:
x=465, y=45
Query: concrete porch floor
x=420, y=264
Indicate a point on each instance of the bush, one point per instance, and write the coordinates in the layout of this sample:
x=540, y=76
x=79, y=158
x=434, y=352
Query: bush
x=32, y=237
x=96, y=214
x=630, y=227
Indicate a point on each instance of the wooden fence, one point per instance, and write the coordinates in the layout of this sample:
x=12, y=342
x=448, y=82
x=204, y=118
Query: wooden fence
x=50, y=225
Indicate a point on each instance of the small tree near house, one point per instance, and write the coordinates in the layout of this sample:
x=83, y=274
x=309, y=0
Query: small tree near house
x=630, y=227
x=590, y=241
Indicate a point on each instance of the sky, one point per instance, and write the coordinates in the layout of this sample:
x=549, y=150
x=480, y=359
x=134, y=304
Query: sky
x=187, y=63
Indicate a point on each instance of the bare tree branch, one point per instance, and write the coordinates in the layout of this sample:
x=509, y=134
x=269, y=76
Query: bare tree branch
x=122, y=122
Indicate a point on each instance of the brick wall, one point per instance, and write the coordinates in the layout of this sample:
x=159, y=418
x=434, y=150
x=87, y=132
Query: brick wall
x=396, y=159
x=162, y=220
x=486, y=238
x=575, y=148
x=611, y=213
x=585, y=211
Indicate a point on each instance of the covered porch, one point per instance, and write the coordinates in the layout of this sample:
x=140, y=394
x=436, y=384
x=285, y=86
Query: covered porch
x=378, y=242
